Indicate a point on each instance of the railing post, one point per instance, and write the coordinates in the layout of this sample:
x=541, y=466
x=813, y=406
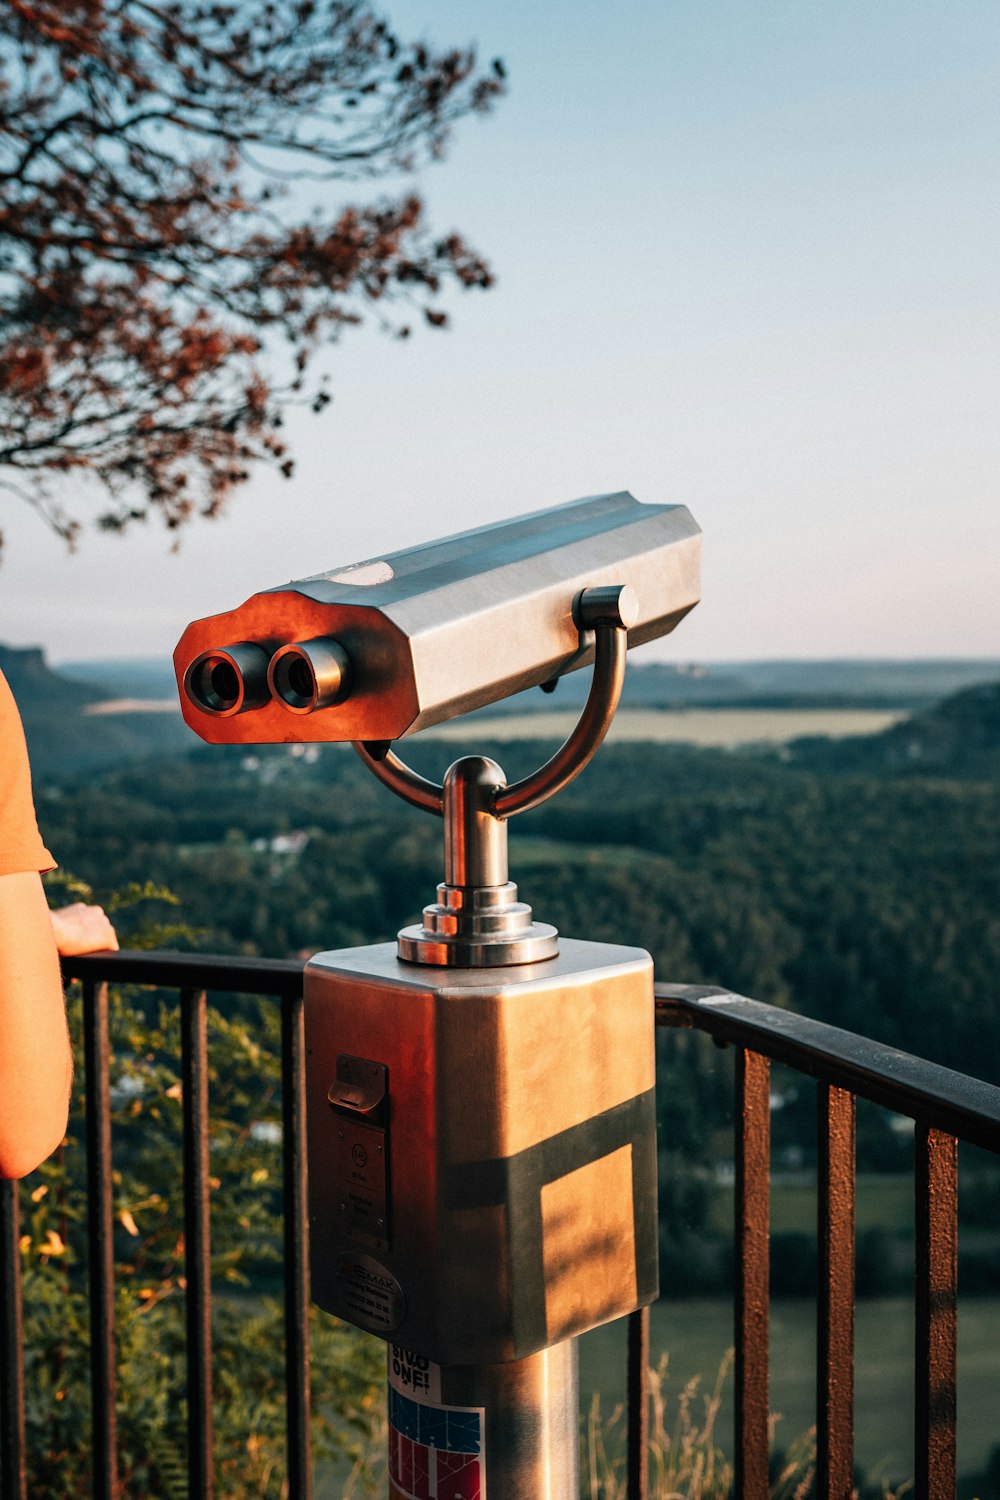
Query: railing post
x=835, y=1301
x=197, y=1253
x=937, y=1313
x=13, y=1478
x=638, y=1403
x=296, y=1245
x=753, y=1180
x=100, y=1234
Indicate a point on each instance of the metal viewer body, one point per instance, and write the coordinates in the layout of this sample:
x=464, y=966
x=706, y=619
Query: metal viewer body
x=431, y=632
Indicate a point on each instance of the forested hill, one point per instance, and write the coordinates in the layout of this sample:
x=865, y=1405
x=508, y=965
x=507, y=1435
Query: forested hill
x=959, y=737
x=37, y=688
x=67, y=723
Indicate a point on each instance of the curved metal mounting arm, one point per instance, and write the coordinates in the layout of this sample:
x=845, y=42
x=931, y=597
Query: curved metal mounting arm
x=610, y=647
x=398, y=777
x=606, y=611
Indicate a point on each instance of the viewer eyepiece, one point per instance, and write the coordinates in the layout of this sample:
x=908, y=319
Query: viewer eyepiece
x=310, y=674
x=228, y=680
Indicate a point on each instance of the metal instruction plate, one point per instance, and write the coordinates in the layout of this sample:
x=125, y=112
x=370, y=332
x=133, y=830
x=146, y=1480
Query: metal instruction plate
x=362, y=1183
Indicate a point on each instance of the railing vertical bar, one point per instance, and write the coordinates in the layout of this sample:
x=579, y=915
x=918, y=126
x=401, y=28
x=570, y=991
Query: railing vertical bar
x=13, y=1474
x=296, y=1245
x=936, y=1312
x=197, y=1252
x=753, y=1178
x=100, y=1235
x=638, y=1403
x=835, y=1294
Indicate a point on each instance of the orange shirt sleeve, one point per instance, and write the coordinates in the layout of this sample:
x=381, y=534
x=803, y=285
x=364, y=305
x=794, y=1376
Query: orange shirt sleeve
x=21, y=847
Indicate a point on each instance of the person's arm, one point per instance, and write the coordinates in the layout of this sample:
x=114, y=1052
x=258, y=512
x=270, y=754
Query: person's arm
x=36, y=1065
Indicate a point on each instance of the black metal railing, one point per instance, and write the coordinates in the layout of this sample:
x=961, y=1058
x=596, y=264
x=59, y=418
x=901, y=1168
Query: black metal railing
x=946, y=1106
x=192, y=976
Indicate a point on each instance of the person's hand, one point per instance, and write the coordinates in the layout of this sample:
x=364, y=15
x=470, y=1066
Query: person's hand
x=82, y=929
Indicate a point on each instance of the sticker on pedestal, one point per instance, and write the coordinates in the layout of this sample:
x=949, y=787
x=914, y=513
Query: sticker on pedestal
x=369, y=1293
x=435, y=1452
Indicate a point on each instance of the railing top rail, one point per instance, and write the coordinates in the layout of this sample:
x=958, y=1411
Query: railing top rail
x=201, y=971
x=944, y=1100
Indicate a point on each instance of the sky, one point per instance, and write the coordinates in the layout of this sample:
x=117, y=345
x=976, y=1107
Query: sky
x=747, y=258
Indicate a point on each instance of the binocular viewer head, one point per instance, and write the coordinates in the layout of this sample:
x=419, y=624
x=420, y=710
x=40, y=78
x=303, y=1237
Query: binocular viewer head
x=387, y=647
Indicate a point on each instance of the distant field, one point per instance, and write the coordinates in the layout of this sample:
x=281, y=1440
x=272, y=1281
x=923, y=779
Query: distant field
x=884, y=1201
x=719, y=728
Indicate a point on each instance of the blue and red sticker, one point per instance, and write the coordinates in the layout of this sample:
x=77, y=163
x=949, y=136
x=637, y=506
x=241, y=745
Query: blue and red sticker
x=435, y=1452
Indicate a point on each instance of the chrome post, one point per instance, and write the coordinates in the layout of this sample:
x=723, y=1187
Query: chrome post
x=475, y=839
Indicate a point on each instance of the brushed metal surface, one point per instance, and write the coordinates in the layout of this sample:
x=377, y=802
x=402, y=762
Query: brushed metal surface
x=523, y=1164
x=531, y=1411
x=452, y=625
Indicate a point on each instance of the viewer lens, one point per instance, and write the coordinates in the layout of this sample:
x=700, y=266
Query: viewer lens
x=300, y=678
x=225, y=682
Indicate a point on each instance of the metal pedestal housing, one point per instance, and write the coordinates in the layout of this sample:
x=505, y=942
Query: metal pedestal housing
x=482, y=1147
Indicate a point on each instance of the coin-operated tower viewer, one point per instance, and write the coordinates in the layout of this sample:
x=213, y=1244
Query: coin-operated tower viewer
x=481, y=1123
